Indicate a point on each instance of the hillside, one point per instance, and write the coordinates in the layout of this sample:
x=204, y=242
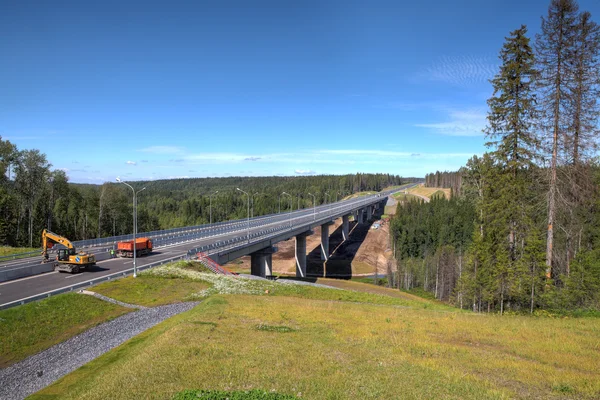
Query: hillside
x=315, y=343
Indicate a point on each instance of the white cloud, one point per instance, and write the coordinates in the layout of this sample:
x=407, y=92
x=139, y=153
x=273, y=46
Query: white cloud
x=162, y=149
x=131, y=163
x=304, y=172
x=375, y=154
x=462, y=70
x=460, y=123
x=367, y=152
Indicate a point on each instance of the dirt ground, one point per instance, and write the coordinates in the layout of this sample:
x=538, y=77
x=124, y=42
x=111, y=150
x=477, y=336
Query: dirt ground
x=366, y=249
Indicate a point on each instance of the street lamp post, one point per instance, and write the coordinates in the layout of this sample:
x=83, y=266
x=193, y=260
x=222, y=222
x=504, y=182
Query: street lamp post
x=252, y=212
x=134, y=223
x=314, y=207
x=247, y=195
x=326, y=195
x=210, y=204
x=291, y=200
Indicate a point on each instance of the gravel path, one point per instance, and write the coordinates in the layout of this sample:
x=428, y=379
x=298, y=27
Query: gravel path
x=36, y=372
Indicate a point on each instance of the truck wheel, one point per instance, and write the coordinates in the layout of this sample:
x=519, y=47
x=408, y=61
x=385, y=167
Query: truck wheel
x=75, y=269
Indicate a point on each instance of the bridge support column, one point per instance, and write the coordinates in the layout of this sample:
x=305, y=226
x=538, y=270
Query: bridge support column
x=301, y=254
x=345, y=226
x=361, y=216
x=369, y=212
x=261, y=262
x=325, y=241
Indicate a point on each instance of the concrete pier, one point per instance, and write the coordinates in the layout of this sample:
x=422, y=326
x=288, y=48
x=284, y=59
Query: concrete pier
x=345, y=226
x=301, y=254
x=325, y=241
x=261, y=262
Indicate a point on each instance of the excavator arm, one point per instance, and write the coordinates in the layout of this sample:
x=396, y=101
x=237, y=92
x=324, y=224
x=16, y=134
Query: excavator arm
x=51, y=238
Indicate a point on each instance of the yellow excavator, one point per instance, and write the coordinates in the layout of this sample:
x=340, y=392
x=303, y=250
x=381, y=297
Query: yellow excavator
x=68, y=260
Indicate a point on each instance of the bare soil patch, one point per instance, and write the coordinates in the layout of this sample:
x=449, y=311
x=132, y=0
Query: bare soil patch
x=366, y=250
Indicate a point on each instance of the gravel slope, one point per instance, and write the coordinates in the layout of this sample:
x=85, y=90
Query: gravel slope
x=36, y=372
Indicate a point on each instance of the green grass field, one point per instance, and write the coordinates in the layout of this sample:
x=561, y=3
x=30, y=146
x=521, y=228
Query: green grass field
x=314, y=343
x=341, y=350
x=405, y=197
x=150, y=291
x=28, y=329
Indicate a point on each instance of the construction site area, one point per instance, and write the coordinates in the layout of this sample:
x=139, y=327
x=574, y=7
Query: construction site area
x=366, y=250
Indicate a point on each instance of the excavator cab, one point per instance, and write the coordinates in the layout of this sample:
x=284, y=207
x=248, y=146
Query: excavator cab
x=63, y=254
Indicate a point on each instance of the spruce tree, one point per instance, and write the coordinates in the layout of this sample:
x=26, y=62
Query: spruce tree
x=510, y=121
x=512, y=106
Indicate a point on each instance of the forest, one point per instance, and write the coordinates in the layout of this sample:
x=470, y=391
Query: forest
x=34, y=197
x=522, y=233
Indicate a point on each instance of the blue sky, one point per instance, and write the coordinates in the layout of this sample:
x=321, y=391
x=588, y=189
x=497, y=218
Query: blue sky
x=150, y=90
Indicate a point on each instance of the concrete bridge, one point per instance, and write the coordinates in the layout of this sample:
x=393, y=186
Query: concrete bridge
x=262, y=244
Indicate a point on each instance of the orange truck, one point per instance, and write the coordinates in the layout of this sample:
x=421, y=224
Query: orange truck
x=143, y=246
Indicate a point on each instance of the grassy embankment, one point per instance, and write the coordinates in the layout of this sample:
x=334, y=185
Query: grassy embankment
x=336, y=344
x=405, y=197
x=359, y=194
x=28, y=329
x=430, y=191
x=8, y=251
x=151, y=291
x=236, y=266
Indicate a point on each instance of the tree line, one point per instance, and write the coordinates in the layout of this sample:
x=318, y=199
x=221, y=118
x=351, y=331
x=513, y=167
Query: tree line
x=34, y=197
x=446, y=179
x=535, y=239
